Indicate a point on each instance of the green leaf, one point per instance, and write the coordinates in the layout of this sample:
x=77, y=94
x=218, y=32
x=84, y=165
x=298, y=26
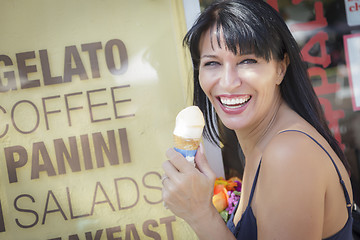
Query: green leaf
x=225, y=215
x=237, y=193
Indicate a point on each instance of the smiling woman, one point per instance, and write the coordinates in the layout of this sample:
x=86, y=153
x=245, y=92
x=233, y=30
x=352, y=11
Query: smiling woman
x=249, y=77
x=236, y=83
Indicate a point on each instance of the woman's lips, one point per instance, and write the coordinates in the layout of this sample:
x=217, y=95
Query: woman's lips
x=233, y=104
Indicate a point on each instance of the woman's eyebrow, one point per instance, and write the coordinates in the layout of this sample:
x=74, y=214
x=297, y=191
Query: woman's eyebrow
x=207, y=56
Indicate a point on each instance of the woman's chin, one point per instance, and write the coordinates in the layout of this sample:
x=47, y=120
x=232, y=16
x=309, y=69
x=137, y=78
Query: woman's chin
x=234, y=125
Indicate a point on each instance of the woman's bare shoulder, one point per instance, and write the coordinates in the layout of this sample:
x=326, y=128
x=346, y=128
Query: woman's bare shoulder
x=295, y=148
x=294, y=158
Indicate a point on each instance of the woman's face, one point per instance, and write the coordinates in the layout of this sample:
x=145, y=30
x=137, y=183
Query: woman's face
x=243, y=89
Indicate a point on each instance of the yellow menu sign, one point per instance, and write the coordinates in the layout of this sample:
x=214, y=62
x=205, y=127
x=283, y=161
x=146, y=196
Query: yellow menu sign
x=89, y=91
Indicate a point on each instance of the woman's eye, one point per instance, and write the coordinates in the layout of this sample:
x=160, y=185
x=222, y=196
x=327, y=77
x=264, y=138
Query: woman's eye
x=211, y=63
x=248, y=61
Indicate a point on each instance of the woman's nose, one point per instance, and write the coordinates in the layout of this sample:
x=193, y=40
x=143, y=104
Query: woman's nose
x=230, y=78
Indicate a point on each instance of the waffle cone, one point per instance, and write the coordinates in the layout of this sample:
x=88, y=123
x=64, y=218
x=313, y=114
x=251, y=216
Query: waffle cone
x=186, y=143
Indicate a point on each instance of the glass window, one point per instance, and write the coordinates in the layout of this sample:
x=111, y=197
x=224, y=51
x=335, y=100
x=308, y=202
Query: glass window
x=327, y=32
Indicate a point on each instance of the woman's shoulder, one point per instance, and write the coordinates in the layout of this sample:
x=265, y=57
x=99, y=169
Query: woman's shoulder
x=295, y=149
x=296, y=170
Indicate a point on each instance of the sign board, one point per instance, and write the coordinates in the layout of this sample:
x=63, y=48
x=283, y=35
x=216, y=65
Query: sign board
x=352, y=53
x=352, y=9
x=89, y=91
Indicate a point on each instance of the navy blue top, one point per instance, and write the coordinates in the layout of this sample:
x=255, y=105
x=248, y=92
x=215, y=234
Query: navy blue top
x=246, y=228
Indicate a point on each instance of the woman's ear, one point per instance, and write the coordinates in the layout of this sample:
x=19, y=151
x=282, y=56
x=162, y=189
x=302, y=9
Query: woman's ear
x=283, y=64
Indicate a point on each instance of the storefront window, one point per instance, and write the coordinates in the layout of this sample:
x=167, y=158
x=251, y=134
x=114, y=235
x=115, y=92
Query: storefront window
x=327, y=33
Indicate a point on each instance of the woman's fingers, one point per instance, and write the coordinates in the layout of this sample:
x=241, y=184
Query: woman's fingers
x=187, y=190
x=203, y=165
x=178, y=161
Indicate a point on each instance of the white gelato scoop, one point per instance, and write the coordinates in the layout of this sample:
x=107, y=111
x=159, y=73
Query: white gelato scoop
x=189, y=123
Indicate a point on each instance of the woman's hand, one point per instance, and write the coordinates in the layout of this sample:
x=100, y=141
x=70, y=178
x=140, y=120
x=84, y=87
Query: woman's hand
x=187, y=191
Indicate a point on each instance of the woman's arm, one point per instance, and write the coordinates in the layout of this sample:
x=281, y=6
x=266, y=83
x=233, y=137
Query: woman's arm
x=187, y=192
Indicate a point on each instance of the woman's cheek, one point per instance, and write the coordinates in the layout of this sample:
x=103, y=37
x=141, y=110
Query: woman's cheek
x=202, y=84
x=205, y=83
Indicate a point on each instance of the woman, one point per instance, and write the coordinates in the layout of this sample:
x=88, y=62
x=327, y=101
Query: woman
x=247, y=67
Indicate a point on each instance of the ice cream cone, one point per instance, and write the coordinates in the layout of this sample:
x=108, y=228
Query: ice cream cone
x=187, y=147
x=186, y=143
x=188, y=130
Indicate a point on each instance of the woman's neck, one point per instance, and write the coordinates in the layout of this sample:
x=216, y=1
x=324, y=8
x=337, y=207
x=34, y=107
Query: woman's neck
x=253, y=141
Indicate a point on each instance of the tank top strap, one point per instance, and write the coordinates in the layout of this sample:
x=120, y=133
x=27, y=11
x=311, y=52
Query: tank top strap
x=254, y=183
x=346, y=194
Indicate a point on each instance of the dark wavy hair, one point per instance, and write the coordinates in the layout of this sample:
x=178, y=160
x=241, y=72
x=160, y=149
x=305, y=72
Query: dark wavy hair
x=253, y=26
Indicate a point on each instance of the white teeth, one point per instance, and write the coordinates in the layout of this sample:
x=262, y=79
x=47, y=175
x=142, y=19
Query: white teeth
x=234, y=102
